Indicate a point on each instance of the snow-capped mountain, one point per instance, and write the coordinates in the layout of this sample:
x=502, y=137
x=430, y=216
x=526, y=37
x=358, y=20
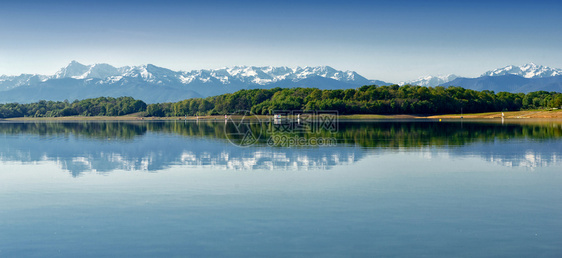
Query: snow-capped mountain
x=157, y=84
x=431, y=81
x=76, y=70
x=10, y=82
x=530, y=70
x=247, y=74
x=268, y=74
x=526, y=78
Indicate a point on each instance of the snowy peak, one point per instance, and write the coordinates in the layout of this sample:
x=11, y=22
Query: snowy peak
x=148, y=72
x=101, y=71
x=530, y=70
x=431, y=81
x=77, y=70
x=328, y=72
x=72, y=70
x=10, y=82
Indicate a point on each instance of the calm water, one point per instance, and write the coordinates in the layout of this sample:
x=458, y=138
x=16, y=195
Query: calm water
x=447, y=189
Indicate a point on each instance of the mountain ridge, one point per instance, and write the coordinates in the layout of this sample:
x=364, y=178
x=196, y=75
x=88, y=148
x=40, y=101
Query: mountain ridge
x=76, y=79
x=152, y=83
x=529, y=70
x=525, y=78
x=431, y=80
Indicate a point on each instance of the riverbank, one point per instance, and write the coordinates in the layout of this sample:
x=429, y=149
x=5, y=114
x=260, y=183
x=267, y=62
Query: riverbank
x=535, y=114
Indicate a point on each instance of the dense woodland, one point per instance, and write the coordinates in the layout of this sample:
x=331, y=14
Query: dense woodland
x=393, y=99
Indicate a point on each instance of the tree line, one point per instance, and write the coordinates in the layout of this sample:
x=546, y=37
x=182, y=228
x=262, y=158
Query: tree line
x=372, y=99
x=102, y=106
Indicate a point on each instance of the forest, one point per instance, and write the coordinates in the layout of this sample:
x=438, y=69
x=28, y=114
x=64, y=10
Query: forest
x=372, y=99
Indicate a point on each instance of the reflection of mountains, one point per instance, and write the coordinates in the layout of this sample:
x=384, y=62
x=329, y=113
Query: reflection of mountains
x=112, y=147
x=108, y=146
x=516, y=153
x=524, y=153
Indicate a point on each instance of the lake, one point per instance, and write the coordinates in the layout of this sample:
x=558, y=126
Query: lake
x=362, y=189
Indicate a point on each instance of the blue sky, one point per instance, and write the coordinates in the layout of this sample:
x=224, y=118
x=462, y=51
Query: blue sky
x=386, y=40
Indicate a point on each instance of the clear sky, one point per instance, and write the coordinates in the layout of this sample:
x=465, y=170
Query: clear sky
x=386, y=40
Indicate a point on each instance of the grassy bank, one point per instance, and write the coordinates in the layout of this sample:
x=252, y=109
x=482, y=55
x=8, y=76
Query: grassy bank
x=556, y=113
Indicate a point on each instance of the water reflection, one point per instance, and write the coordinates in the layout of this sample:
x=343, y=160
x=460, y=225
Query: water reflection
x=106, y=146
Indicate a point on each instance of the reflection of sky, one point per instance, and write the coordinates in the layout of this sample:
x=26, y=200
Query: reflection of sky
x=371, y=208
x=439, y=201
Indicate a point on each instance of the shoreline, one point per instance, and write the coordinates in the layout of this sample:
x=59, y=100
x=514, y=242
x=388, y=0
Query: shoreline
x=534, y=114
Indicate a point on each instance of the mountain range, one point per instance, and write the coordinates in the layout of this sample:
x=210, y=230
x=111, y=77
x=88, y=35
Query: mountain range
x=157, y=84
x=530, y=70
x=153, y=84
x=526, y=78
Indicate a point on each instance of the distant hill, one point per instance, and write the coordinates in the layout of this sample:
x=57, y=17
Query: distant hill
x=154, y=84
x=509, y=83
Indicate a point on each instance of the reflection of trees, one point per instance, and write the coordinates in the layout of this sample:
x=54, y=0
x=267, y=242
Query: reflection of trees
x=157, y=145
x=400, y=134
x=96, y=130
x=365, y=134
